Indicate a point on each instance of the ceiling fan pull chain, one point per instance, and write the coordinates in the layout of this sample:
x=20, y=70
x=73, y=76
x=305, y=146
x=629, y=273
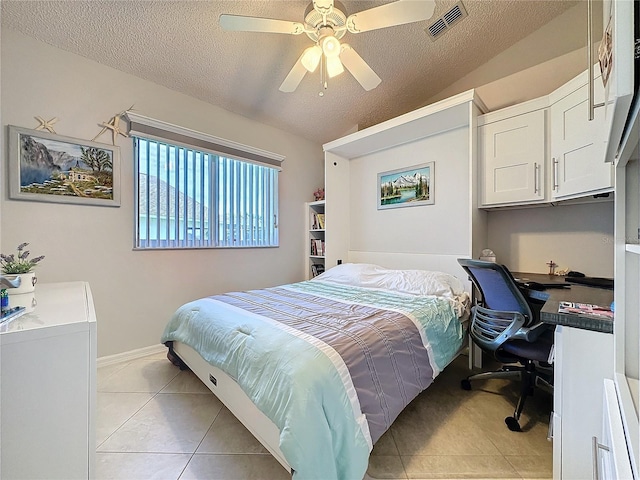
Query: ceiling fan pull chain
x=323, y=81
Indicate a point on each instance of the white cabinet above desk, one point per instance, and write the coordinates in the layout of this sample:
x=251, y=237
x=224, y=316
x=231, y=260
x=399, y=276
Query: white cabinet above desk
x=545, y=150
x=49, y=386
x=513, y=152
x=578, y=145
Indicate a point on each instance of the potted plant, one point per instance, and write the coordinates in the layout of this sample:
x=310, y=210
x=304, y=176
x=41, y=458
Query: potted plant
x=22, y=266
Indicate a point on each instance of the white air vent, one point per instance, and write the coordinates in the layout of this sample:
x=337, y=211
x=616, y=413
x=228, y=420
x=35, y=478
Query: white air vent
x=443, y=24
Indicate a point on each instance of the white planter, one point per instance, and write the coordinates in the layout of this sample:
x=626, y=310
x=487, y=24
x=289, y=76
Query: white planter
x=27, y=283
x=26, y=300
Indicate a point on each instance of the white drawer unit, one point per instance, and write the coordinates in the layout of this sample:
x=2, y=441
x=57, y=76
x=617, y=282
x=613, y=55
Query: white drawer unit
x=577, y=398
x=48, y=372
x=610, y=455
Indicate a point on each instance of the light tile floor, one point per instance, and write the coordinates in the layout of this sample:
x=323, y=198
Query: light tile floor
x=156, y=422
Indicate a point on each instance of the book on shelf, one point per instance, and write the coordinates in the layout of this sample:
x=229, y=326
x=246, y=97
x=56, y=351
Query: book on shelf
x=317, y=221
x=585, y=309
x=317, y=269
x=317, y=247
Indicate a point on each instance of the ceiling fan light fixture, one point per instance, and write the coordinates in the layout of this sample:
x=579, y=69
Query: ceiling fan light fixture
x=330, y=46
x=311, y=58
x=334, y=66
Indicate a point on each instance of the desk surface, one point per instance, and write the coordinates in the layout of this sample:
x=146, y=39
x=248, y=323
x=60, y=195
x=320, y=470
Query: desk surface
x=575, y=293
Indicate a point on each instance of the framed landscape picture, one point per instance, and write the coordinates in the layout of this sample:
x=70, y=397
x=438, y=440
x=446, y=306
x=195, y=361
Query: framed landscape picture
x=406, y=187
x=46, y=167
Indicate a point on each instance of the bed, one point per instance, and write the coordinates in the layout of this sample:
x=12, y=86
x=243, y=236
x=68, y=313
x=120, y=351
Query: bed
x=319, y=370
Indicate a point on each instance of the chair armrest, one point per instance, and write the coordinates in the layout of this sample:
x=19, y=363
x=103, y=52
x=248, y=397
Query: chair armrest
x=530, y=334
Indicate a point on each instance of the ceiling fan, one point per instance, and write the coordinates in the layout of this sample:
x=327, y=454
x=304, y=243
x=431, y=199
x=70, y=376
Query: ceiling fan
x=325, y=23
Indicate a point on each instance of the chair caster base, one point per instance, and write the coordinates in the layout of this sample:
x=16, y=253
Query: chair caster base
x=513, y=424
x=465, y=384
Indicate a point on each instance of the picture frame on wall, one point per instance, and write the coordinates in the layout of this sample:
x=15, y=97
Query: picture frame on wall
x=406, y=187
x=47, y=167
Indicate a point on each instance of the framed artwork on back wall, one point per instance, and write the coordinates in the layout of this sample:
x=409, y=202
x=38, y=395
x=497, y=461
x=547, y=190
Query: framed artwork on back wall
x=406, y=187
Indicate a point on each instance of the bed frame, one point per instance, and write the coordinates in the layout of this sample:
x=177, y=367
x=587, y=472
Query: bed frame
x=233, y=397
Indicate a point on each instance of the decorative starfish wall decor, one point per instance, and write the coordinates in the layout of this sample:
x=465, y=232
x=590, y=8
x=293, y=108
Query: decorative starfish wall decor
x=46, y=124
x=114, y=126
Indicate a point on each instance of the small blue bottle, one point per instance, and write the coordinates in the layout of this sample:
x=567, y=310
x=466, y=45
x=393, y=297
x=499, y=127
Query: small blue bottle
x=4, y=300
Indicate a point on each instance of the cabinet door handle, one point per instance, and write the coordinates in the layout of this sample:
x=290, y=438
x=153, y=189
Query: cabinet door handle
x=536, y=169
x=591, y=105
x=595, y=445
x=555, y=174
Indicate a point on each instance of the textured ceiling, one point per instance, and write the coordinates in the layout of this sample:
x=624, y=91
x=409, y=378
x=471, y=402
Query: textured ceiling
x=180, y=45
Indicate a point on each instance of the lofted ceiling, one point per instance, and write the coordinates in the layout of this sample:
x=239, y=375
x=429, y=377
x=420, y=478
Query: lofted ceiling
x=180, y=45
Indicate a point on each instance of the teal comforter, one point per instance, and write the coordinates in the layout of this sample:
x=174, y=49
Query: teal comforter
x=332, y=366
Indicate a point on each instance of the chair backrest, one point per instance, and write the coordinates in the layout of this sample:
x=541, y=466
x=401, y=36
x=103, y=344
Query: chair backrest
x=498, y=288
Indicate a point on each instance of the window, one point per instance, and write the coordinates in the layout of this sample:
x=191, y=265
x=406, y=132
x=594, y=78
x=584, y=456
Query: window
x=191, y=196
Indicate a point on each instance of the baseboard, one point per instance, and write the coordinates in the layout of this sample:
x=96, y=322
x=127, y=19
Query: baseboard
x=130, y=355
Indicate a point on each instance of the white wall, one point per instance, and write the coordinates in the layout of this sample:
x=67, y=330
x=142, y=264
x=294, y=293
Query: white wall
x=578, y=237
x=136, y=291
x=422, y=229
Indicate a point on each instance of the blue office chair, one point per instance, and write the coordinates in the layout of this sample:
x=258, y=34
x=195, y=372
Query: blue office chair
x=506, y=325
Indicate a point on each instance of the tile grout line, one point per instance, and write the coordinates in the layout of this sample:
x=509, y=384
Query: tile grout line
x=395, y=444
x=199, y=443
x=129, y=418
x=154, y=395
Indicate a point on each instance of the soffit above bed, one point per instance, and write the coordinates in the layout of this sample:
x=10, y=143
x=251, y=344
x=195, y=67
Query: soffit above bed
x=180, y=45
x=448, y=114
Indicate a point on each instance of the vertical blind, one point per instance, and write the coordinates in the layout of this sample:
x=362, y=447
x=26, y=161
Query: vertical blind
x=187, y=198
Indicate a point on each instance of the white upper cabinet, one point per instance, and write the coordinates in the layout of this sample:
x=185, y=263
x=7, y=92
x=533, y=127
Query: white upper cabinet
x=545, y=149
x=513, y=157
x=578, y=145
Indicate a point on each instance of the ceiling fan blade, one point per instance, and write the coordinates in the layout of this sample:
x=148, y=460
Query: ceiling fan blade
x=295, y=76
x=359, y=68
x=391, y=14
x=240, y=23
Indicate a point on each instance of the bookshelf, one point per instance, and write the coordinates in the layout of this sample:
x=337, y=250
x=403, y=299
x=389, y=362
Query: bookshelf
x=315, y=248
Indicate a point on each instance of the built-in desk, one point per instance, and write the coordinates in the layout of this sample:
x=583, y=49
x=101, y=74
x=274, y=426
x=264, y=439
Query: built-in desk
x=583, y=351
x=575, y=293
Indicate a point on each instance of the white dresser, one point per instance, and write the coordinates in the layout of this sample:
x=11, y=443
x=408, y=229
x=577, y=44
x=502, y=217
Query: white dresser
x=48, y=386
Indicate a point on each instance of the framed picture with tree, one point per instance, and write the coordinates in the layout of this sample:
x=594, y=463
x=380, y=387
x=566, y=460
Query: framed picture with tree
x=406, y=187
x=47, y=167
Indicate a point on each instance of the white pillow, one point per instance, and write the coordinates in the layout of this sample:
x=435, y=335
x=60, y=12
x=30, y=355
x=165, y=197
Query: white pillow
x=414, y=282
